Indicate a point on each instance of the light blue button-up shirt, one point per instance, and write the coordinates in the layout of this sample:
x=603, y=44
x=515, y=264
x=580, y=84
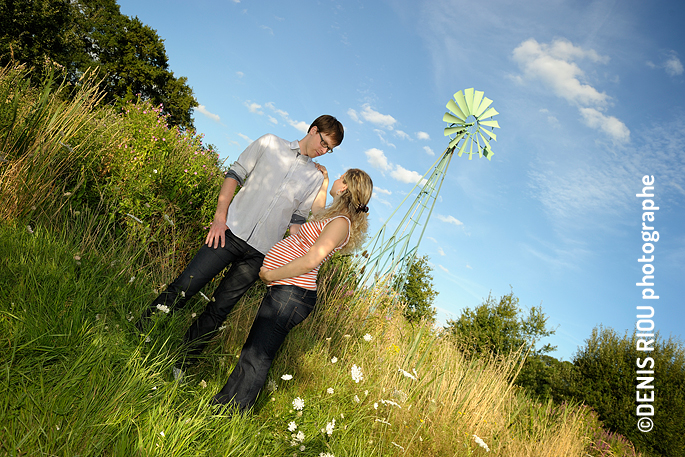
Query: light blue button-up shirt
x=278, y=184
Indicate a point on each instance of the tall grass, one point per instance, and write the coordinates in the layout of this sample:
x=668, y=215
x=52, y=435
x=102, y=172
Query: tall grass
x=77, y=377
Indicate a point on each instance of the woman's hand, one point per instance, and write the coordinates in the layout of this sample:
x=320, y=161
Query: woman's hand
x=323, y=170
x=263, y=274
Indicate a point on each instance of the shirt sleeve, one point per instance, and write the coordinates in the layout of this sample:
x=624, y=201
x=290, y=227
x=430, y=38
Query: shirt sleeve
x=243, y=166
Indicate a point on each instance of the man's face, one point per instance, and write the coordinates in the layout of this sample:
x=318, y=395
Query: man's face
x=318, y=143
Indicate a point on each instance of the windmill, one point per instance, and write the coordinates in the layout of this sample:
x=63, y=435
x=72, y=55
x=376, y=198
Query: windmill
x=388, y=257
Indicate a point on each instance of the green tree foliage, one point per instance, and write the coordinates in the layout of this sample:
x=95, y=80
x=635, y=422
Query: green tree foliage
x=499, y=327
x=81, y=34
x=604, y=376
x=418, y=293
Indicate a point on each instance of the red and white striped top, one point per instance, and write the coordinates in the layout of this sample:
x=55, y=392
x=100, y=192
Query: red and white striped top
x=294, y=246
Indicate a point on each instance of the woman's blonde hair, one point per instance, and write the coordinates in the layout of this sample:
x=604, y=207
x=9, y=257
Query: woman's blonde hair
x=352, y=203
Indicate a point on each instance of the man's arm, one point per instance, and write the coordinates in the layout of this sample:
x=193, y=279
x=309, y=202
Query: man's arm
x=217, y=231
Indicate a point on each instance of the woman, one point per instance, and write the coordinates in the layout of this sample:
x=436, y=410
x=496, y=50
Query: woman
x=290, y=269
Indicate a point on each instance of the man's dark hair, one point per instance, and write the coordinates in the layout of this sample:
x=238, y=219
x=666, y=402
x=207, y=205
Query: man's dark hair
x=330, y=126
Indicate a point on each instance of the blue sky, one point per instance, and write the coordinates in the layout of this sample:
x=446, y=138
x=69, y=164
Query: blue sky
x=590, y=96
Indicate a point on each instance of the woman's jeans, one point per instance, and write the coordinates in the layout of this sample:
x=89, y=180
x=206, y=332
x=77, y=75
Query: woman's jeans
x=282, y=308
x=245, y=263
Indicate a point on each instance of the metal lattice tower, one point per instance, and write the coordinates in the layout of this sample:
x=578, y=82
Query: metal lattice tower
x=388, y=256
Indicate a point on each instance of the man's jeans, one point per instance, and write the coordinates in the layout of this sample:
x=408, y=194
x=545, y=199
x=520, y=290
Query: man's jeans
x=208, y=262
x=282, y=308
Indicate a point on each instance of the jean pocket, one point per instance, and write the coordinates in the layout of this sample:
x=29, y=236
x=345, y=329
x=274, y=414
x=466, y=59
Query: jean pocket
x=299, y=313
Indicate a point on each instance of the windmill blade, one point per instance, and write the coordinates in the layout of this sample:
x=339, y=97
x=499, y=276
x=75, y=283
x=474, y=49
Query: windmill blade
x=461, y=101
x=477, y=97
x=485, y=141
x=455, y=109
x=489, y=113
x=493, y=123
x=487, y=152
x=456, y=139
x=490, y=134
x=463, y=147
x=450, y=119
x=468, y=96
x=451, y=130
x=471, y=149
x=479, y=149
x=483, y=106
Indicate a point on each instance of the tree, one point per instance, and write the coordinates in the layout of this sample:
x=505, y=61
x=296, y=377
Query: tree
x=605, y=377
x=82, y=34
x=496, y=327
x=418, y=293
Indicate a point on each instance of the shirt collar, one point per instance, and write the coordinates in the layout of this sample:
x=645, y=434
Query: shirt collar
x=295, y=146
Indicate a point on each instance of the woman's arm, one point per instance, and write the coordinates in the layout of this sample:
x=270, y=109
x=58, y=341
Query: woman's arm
x=320, y=200
x=331, y=236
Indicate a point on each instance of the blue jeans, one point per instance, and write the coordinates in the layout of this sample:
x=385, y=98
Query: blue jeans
x=282, y=308
x=245, y=262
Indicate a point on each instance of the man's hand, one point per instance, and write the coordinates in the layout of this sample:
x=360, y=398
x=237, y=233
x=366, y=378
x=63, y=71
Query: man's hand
x=217, y=232
x=263, y=272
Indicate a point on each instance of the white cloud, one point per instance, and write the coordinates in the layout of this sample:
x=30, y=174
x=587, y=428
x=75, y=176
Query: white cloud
x=443, y=268
x=423, y=136
x=428, y=151
x=381, y=136
x=268, y=29
x=402, y=135
x=254, y=107
x=609, y=124
x=673, y=66
x=212, y=116
x=273, y=120
x=240, y=74
x=450, y=220
x=378, y=190
x=407, y=176
x=441, y=252
x=353, y=115
x=245, y=137
x=382, y=120
x=377, y=159
x=553, y=65
x=469, y=266
x=299, y=125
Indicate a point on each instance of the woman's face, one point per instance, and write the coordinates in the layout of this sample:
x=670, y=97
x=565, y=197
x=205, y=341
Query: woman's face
x=338, y=186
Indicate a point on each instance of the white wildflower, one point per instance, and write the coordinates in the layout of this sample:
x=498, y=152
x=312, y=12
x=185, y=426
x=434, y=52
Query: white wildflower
x=401, y=396
x=292, y=426
x=204, y=296
x=299, y=437
x=97, y=317
x=397, y=445
x=347, y=336
x=383, y=421
x=368, y=337
x=330, y=390
x=163, y=308
x=272, y=386
x=302, y=448
x=154, y=171
x=329, y=427
x=168, y=219
x=147, y=339
x=357, y=374
x=183, y=293
x=287, y=377
x=203, y=384
x=389, y=402
x=29, y=229
x=298, y=404
x=334, y=359
x=326, y=454
x=133, y=278
x=161, y=433
x=407, y=374
x=481, y=443
x=375, y=406
x=67, y=194
x=356, y=399
x=134, y=218
x=194, y=315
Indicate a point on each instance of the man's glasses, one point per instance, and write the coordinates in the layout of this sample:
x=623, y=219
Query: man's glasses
x=324, y=144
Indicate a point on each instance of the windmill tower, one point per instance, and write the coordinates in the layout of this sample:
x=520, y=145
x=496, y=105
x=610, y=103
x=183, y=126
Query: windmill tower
x=388, y=256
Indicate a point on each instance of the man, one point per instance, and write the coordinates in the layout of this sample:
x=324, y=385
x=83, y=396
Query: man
x=279, y=184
